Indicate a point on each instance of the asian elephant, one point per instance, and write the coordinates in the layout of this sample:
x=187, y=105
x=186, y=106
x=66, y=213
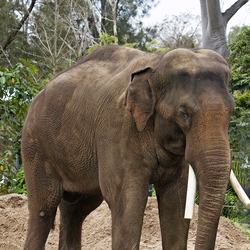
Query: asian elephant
x=117, y=121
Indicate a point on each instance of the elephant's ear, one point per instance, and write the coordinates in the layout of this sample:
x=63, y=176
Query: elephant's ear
x=140, y=99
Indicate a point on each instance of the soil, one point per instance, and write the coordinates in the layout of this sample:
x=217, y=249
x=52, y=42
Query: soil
x=96, y=232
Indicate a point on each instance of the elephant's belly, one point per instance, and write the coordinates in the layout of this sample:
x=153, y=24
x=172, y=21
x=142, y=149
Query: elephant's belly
x=80, y=178
x=85, y=186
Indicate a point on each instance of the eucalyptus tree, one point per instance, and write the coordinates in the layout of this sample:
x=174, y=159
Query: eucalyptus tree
x=214, y=24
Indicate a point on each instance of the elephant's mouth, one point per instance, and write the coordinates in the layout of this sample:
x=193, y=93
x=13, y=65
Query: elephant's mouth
x=174, y=148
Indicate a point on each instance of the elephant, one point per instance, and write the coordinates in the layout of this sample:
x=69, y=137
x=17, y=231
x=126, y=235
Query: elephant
x=117, y=121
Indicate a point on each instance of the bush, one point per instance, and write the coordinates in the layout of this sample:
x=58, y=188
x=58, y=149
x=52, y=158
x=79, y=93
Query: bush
x=18, y=87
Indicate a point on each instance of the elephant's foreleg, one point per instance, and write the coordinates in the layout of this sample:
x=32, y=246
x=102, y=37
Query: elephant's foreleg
x=171, y=203
x=127, y=205
x=73, y=210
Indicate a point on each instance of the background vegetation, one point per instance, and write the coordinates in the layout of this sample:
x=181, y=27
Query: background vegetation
x=59, y=32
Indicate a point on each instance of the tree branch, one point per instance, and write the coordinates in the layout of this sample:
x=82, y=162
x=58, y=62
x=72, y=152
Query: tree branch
x=233, y=9
x=13, y=34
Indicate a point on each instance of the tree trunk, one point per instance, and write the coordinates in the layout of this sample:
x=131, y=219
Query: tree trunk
x=54, y=59
x=95, y=17
x=114, y=4
x=103, y=15
x=214, y=24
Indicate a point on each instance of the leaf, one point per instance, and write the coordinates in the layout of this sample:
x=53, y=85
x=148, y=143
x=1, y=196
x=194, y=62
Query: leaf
x=2, y=80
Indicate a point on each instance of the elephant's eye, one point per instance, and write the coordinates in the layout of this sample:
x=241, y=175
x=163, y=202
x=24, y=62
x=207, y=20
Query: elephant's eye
x=182, y=112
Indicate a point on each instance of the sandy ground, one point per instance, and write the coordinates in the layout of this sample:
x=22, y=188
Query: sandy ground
x=97, y=230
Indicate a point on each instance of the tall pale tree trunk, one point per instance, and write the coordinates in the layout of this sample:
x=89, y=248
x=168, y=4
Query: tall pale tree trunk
x=95, y=17
x=54, y=58
x=214, y=24
x=114, y=4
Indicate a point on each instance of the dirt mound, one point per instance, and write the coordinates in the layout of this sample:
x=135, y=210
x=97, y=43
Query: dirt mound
x=97, y=229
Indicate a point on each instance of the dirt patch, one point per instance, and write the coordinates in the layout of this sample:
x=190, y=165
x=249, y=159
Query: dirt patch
x=97, y=228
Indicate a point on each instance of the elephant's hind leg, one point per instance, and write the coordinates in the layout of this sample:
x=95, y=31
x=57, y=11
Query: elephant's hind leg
x=44, y=195
x=74, y=208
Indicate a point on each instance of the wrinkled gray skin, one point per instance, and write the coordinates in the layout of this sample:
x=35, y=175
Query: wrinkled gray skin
x=117, y=121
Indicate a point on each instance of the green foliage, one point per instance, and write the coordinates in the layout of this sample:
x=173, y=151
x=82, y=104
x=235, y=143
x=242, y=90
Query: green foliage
x=239, y=130
x=12, y=180
x=7, y=170
x=229, y=209
x=131, y=45
x=240, y=58
x=152, y=192
x=105, y=39
x=153, y=47
x=234, y=209
x=240, y=127
x=17, y=184
x=18, y=87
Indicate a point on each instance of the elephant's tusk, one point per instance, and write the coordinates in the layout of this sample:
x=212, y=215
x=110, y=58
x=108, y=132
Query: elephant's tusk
x=191, y=192
x=239, y=190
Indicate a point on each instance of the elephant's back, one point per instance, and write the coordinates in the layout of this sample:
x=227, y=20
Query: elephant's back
x=76, y=97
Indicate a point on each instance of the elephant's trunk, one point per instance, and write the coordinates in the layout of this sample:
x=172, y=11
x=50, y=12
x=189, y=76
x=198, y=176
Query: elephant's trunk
x=212, y=187
x=209, y=154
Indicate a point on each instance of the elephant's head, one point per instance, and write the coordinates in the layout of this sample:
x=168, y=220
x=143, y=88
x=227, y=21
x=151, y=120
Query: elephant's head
x=186, y=95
